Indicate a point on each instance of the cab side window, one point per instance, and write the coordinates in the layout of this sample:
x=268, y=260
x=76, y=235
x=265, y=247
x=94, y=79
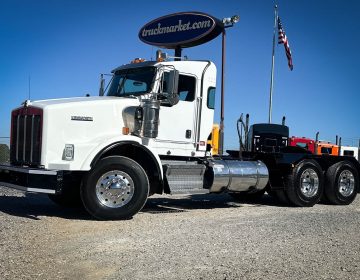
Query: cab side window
x=211, y=98
x=186, y=88
x=325, y=150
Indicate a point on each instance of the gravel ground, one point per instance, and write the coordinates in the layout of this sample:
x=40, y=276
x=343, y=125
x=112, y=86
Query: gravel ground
x=179, y=237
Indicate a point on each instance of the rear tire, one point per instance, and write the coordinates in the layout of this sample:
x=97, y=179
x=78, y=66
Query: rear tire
x=342, y=183
x=116, y=188
x=304, y=186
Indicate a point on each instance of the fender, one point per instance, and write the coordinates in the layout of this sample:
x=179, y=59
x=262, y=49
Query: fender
x=101, y=150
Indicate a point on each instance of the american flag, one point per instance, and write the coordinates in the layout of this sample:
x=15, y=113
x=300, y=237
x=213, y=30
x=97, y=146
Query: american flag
x=283, y=40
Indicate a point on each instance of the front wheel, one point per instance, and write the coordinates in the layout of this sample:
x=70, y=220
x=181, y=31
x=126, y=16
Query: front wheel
x=304, y=186
x=117, y=188
x=342, y=183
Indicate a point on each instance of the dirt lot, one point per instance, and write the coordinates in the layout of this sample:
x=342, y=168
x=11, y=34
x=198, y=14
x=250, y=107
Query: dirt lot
x=195, y=237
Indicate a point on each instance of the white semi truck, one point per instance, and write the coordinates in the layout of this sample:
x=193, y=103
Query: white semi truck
x=350, y=151
x=148, y=133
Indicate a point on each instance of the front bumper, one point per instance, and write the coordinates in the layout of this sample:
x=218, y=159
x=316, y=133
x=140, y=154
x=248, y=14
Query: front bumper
x=31, y=179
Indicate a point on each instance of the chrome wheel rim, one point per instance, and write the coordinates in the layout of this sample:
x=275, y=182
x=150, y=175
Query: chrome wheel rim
x=309, y=183
x=346, y=183
x=115, y=189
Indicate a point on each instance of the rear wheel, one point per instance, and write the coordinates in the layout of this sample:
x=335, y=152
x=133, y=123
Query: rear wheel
x=304, y=186
x=342, y=183
x=117, y=188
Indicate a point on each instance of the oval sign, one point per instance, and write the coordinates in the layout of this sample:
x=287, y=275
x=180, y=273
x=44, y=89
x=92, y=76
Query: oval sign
x=183, y=30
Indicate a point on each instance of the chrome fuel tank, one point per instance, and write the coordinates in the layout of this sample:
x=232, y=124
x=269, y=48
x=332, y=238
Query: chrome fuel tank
x=238, y=176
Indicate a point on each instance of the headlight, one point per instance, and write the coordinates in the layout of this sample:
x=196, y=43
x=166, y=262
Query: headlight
x=68, y=152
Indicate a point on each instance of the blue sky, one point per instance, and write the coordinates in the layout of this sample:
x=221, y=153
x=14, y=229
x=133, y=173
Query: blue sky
x=64, y=46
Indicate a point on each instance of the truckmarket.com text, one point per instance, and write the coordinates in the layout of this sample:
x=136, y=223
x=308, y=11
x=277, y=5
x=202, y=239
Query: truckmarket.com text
x=176, y=28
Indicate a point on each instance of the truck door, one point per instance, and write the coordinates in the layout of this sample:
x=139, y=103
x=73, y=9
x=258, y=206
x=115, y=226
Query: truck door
x=177, y=123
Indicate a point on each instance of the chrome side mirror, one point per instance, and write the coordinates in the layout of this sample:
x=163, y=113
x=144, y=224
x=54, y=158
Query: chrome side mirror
x=102, y=85
x=172, y=87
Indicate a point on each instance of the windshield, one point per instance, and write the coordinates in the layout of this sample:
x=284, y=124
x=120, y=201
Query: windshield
x=133, y=81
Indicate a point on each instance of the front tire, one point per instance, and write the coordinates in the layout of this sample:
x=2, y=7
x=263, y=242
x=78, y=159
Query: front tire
x=116, y=188
x=342, y=183
x=304, y=186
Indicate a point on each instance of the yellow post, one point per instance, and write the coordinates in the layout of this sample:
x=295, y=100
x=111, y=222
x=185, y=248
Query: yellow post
x=214, y=141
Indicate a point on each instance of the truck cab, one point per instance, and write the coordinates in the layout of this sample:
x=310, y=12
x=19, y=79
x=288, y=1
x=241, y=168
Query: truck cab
x=82, y=127
x=268, y=138
x=327, y=148
x=350, y=151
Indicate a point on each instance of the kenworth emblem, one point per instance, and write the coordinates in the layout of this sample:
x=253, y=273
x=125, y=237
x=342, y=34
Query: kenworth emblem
x=81, y=118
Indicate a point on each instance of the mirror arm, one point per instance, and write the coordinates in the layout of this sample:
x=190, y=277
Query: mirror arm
x=102, y=83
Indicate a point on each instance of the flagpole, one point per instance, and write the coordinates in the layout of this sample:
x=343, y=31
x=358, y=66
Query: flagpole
x=272, y=64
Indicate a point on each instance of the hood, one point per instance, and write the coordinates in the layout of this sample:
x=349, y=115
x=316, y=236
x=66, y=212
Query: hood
x=84, y=101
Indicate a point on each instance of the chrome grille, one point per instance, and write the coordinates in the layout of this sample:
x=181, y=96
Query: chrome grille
x=26, y=127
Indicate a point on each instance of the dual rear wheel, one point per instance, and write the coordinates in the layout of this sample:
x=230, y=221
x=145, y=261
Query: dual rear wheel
x=307, y=184
x=342, y=183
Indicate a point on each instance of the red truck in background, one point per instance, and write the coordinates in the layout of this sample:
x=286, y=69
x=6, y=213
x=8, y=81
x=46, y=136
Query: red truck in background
x=303, y=142
x=316, y=146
